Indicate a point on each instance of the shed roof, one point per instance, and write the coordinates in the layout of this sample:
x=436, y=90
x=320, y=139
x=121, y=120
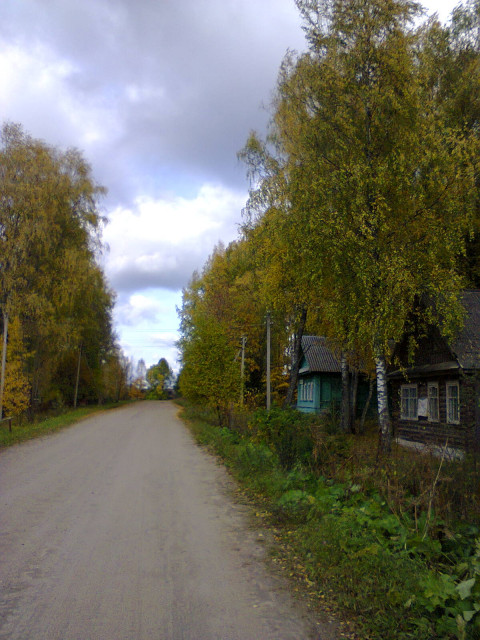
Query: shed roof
x=319, y=357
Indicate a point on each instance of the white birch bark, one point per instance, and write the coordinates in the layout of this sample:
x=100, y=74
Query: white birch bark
x=384, y=422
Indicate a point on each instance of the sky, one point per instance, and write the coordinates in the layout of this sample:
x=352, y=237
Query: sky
x=159, y=95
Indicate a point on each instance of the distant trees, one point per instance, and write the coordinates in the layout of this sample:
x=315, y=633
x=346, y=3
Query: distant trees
x=223, y=309
x=53, y=294
x=364, y=197
x=209, y=337
x=160, y=380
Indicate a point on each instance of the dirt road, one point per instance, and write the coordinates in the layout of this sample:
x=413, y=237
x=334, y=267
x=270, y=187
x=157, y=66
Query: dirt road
x=121, y=528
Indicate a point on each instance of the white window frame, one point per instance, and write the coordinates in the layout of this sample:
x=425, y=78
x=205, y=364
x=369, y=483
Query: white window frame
x=309, y=397
x=430, y=386
x=455, y=419
x=305, y=391
x=408, y=387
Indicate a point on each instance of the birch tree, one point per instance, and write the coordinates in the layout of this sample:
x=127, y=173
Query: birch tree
x=380, y=186
x=276, y=244
x=49, y=240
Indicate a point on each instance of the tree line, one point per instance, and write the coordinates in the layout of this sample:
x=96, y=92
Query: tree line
x=363, y=210
x=58, y=343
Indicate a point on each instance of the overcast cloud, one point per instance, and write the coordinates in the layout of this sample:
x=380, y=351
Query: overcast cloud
x=159, y=95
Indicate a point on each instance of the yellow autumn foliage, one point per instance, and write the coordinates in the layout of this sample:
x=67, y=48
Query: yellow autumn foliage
x=16, y=397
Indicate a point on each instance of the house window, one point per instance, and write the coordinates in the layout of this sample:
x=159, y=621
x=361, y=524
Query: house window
x=308, y=391
x=409, y=402
x=300, y=390
x=433, y=407
x=305, y=391
x=453, y=403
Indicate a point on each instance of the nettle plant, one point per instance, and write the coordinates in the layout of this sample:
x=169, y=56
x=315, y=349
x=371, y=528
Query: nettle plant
x=454, y=598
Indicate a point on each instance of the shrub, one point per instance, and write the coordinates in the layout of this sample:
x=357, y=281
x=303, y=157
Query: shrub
x=287, y=432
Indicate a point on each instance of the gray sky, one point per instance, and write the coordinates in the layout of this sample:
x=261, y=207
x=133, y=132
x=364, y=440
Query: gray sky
x=159, y=95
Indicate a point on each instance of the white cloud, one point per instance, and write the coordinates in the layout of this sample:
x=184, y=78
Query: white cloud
x=139, y=308
x=153, y=347
x=37, y=89
x=147, y=325
x=178, y=218
x=161, y=241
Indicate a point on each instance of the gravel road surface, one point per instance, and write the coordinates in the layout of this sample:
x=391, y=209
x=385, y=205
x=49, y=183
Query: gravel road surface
x=121, y=528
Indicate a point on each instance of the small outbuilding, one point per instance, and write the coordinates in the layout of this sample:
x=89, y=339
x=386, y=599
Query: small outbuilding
x=320, y=379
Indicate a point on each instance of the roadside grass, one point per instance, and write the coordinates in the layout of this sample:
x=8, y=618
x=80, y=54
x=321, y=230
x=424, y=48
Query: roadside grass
x=386, y=547
x=27, y=430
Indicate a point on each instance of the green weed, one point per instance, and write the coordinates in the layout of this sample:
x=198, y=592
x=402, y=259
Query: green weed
x=370, y=537
x=287, y=432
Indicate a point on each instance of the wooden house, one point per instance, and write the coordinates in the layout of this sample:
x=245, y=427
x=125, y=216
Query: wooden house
x=320, y=379
x=435, y=400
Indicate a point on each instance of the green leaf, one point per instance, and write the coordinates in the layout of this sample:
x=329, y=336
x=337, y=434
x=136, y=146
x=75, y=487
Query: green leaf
x=468, y=615
x=465, y=588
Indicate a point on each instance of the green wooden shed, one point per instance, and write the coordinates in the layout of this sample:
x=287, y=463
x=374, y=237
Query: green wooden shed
x=320, y=379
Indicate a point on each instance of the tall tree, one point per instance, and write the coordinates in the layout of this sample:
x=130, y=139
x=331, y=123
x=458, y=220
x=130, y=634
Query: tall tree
x=276, y=245
x=380, y=187
x=451, y=59
x=225, y=296
x=49, y=240
x=208, y=373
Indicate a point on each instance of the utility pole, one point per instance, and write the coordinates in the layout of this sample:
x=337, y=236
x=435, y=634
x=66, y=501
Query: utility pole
x=268, y=362
x=4, y=358
x=242, y=374
x=77, y=379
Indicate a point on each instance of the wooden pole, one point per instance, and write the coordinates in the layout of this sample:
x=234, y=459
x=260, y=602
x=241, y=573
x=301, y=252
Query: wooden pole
x=77, y=378
x=242, y=374
x=4, y=359
x=268, y=363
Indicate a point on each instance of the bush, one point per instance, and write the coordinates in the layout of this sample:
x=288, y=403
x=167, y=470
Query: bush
x=287, y=432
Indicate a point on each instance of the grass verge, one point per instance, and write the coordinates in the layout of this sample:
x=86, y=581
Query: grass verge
x=41, y=427
x=393, y=574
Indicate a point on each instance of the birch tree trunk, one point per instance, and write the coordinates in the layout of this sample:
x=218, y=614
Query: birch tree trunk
x=384, y=422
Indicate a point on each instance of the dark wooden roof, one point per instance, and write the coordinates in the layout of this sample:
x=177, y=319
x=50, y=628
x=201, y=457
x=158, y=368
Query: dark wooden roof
x=320, y=359
x=434, y=354
x=466, y=347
